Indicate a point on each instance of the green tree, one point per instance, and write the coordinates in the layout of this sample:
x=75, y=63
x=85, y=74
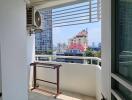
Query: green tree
x=98, y=54
x=89, y=52
x=49, y=52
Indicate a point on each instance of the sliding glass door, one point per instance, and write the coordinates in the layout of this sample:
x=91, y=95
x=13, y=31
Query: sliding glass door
x=124, y=39
x=122, y=67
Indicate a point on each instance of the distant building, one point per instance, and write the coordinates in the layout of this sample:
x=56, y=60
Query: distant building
x=61, y=47
x=96, y=48
x=93, y=45
x=99, y=45
x=70, y=60
x=79, y=43
x=76, y=47
x=43, y=40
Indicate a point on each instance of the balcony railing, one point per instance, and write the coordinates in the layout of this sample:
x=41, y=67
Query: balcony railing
x=75, y=69
x=69, y=59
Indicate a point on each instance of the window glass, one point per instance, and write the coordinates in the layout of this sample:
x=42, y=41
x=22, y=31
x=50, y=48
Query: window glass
x=112, y=97
x=121, y=90
x=124, y=39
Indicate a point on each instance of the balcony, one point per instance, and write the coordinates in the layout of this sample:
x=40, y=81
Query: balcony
x=78, y=80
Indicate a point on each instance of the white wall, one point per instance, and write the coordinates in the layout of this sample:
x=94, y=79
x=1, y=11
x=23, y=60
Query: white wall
x=106, y=48
x=30, y=56
x=76, y=78
x=98, y=83
x=0, y=72
x=13, y=49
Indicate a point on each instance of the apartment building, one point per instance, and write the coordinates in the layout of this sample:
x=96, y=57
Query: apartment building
x=43, y=40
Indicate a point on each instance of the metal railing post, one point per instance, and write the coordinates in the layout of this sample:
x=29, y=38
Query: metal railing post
x=98, y=62
x=85, y=61
x=91, y=61
x=50, y=58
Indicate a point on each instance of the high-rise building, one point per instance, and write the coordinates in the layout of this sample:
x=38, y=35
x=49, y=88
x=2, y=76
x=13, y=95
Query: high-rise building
x=43, y=40
x=79, y=42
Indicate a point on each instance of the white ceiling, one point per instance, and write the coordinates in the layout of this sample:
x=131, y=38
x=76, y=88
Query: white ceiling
x=40, y=1
x=40, y=4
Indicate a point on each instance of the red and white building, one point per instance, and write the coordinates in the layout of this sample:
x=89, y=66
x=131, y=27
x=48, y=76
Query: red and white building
x=79, y=42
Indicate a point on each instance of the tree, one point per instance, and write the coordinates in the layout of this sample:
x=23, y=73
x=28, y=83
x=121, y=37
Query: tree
x=49, y=52
x=89, y=52
x=98, y=54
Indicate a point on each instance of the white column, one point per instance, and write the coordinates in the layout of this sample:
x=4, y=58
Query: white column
x=13, y=49
x=106, y=48
x=30, y=56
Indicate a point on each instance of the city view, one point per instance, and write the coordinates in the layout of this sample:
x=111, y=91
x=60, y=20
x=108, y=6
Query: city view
x=65, y=49
x=77, y=45
x=82, y=39
x=67, y=40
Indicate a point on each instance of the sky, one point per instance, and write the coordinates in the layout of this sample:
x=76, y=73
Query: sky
x=63, y=34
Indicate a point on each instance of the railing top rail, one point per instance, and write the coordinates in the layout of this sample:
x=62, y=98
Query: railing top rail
x=72, y=57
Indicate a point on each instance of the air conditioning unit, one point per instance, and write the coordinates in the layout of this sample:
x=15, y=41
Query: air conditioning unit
x=34, y=22
x=30, y=16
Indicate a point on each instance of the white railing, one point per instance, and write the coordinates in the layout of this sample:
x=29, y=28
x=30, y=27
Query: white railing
x=74, y=73
x=69, y=59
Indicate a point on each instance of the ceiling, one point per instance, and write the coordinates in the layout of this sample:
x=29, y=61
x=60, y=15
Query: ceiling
x=40, y=4
x=36, y=2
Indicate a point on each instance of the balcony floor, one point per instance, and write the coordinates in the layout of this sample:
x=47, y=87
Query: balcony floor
x=37, y=95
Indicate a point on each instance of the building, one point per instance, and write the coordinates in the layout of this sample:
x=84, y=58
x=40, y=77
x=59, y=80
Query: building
x=95, y=48
x=61, y=48
x=76, y=47
x=43, y=40
x=99, y=45
x=79, y=43
x=93, y=44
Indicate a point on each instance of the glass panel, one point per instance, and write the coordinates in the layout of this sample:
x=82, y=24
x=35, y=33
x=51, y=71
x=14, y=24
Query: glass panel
x=124, y=39
x=112, y=97
x=121, y=90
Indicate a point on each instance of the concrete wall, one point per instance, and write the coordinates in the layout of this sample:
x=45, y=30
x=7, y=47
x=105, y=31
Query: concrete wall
x=30, y=56
x=98, y=83
x=106, y=48
x=0, y=72
x=73, y=77
x=13, y=49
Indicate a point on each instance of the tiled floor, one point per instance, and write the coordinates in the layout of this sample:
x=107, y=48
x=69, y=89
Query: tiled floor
x=37, y=95
x=40, y=96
